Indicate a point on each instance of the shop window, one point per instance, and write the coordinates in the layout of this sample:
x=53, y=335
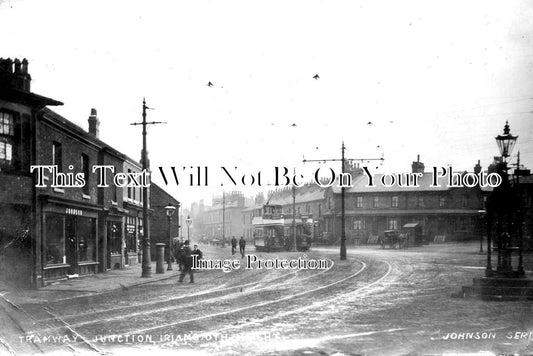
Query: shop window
x=131, y=239
x=86, y=238
x=140, y=230
x=55, y=240
x=114, y=243
x=420, y=201
x=7, y=135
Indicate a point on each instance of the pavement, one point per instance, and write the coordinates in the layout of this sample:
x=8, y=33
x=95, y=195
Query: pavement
x=99, y=283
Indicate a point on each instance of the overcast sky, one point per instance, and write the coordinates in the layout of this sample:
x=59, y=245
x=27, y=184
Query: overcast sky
x=435, y=78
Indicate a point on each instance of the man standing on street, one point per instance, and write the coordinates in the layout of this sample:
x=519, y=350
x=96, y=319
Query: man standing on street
x=197, y=252
x=242, y=245
x=233, y=245
x=187, y=265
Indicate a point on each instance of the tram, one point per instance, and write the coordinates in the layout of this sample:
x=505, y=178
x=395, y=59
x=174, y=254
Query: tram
x=274, y=231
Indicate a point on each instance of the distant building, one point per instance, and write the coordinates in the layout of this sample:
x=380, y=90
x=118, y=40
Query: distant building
x=216, y=225
x=452, y=213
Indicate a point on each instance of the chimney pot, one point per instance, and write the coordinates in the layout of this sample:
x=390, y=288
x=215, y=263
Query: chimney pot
x=17, y=65
x=24, y=68
x=94, y=124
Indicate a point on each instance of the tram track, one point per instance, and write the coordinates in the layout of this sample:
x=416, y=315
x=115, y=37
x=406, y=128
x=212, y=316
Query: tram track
x=180, y=302
x=314, y=305
x=29, y=343
x=249, y=307
x=122, y=323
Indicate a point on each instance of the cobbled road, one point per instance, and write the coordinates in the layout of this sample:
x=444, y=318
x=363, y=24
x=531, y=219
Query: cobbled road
x=377, y=302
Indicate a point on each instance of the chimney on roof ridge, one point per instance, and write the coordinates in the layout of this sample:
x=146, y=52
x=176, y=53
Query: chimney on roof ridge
x=417, y=167
x=14, y=73
x=477, y=167
x=94, y=124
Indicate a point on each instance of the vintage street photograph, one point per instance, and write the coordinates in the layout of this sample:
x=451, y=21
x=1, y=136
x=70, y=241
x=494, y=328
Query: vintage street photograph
x=300, y=178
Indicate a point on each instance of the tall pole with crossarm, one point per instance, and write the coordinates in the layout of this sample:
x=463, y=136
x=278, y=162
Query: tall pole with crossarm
x=343, y=217
x=146, y=262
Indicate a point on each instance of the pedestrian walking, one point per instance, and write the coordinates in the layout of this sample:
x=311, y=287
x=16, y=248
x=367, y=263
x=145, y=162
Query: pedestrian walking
x=242, y=245
x=233, y=245
x=180, y=257
x=187, y=266
x=198, y=252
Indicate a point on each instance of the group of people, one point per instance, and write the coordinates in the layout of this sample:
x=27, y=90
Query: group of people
x=184, y=258
x=184, y=255
x=242, y=245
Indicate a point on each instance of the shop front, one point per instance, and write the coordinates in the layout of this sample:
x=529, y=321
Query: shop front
x=69, y=241
x=133, y=232
x=114, y=244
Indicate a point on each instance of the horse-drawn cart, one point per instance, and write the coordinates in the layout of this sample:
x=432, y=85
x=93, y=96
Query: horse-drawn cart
x=393, y=238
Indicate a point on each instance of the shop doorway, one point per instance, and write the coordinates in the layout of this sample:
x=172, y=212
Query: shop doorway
x=70, y=244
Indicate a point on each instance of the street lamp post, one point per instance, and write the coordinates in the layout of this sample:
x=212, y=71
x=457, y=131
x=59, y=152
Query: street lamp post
x=170, y=209
x=501, y=207
x=179, y=220
x=188, y=221
x=481, y=220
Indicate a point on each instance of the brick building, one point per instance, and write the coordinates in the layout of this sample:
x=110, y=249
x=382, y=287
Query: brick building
x=159, y=221
x=47, y=230
x=452, y=213
x=18, y=200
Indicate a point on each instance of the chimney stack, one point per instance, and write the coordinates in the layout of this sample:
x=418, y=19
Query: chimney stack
x=15, y=74
x=477, y=167
x=417, y=167
x=94, y=124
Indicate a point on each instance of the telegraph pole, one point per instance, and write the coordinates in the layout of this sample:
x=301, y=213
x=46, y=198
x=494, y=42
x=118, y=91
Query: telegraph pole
x=343, y=217
x=223, y=219
x=146, y=262
x=294, y=248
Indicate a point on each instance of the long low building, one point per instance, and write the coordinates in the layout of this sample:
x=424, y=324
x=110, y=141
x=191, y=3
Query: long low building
x=443, y=213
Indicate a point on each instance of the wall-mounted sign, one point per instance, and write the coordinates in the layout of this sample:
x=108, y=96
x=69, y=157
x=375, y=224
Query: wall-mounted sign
x=130, y=229
x=72, y=211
